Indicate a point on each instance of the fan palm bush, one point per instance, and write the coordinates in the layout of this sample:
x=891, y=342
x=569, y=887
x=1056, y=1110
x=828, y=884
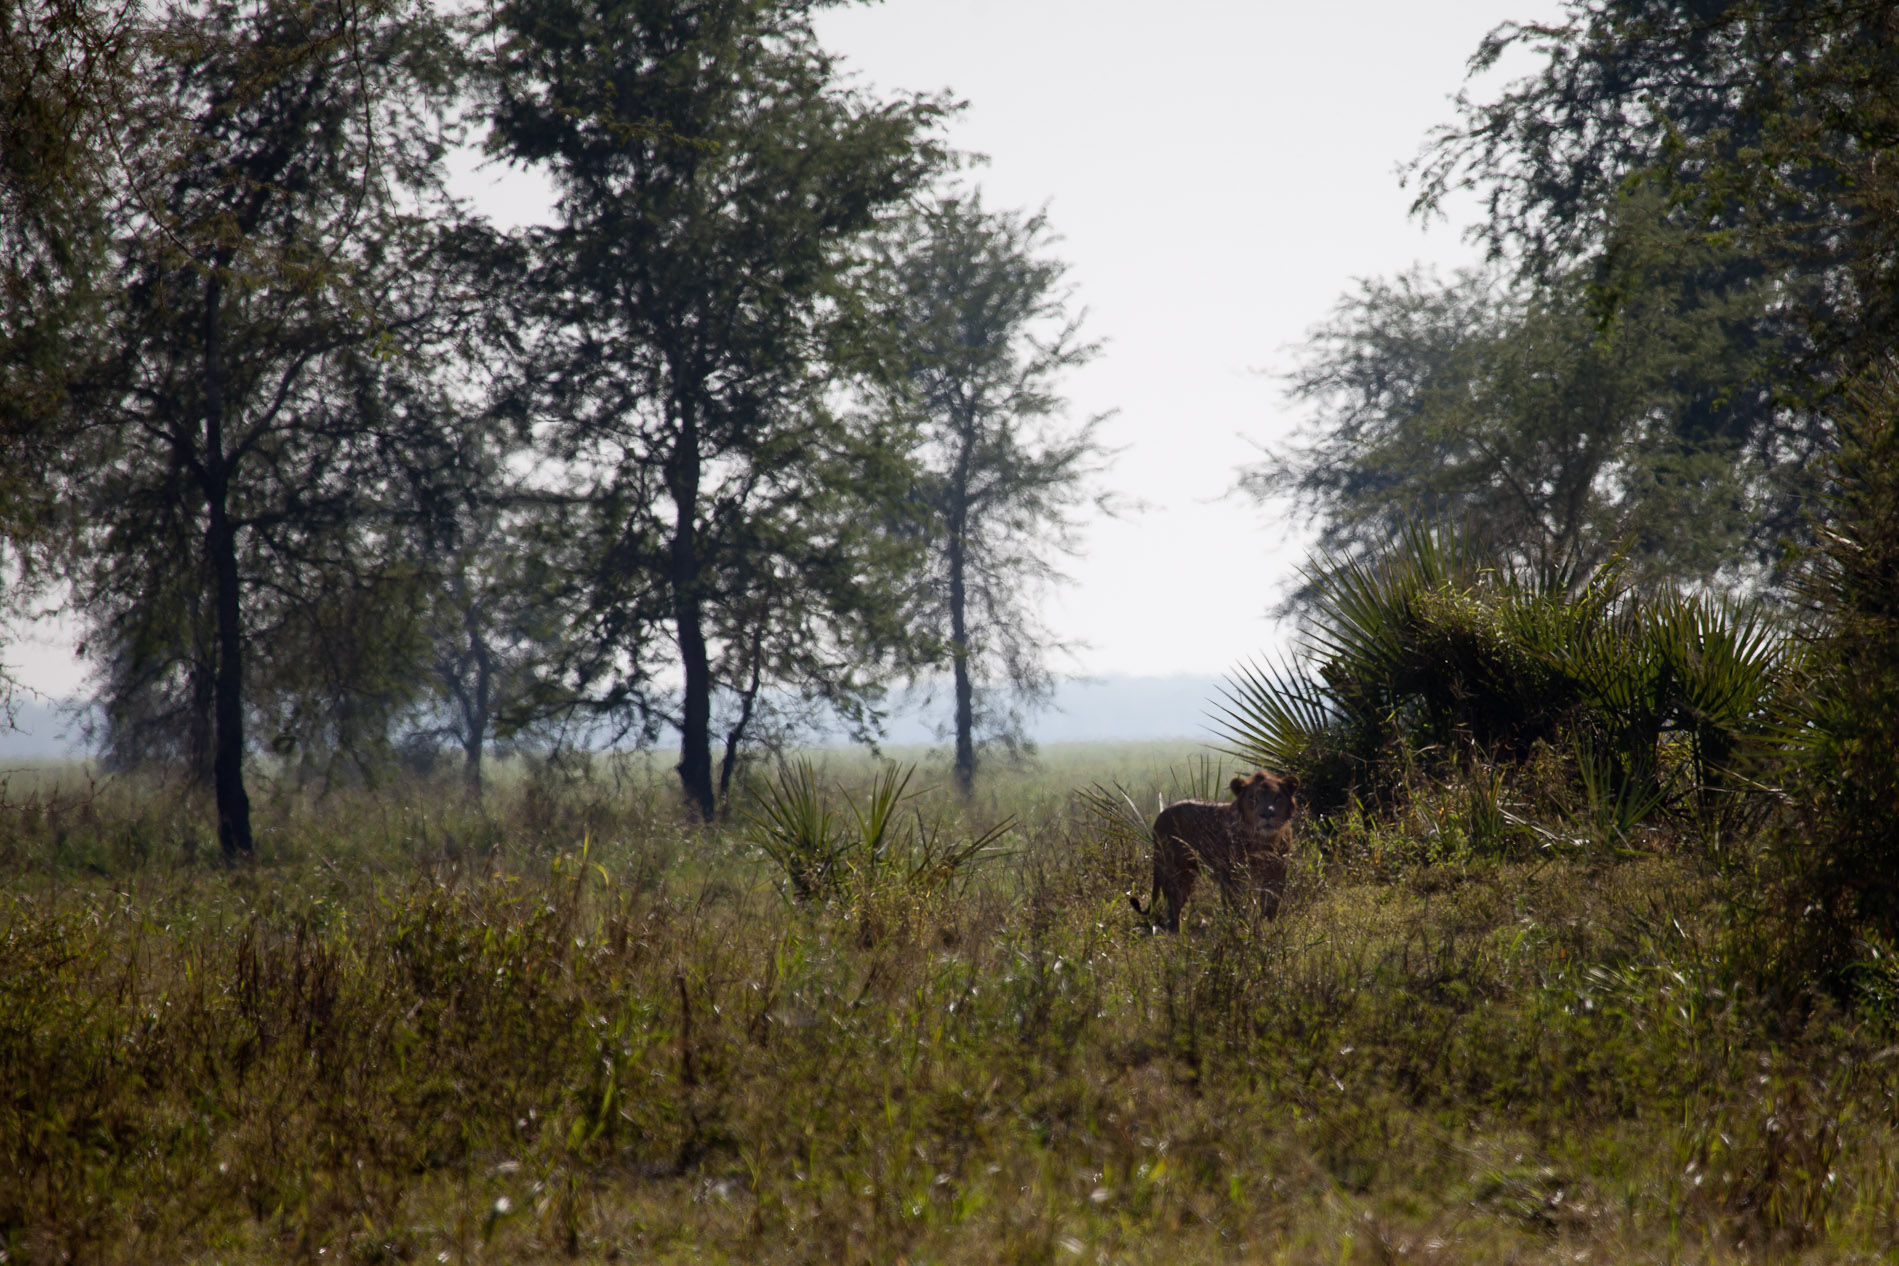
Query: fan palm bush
x=1441, y=647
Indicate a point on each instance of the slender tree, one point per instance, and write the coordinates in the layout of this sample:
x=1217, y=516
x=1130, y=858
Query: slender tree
x=493, y=617
x=982, y=334
x=694, y=305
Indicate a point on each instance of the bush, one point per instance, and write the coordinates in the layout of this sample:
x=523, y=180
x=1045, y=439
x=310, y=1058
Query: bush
x=1439, y=648
x=821, y=853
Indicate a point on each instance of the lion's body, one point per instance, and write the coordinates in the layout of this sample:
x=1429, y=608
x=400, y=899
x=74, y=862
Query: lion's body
x=1243, y=842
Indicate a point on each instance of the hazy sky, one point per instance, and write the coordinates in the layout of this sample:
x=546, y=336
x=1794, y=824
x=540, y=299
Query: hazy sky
x=1219, y=170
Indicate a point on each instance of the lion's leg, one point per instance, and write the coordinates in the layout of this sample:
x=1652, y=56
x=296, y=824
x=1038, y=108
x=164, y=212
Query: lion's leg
x=1176, y=880
x=1251, y=883
x=1269, y=881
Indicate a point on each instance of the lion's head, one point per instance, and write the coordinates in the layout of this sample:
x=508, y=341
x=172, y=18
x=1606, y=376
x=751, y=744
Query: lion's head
x=1266, y=800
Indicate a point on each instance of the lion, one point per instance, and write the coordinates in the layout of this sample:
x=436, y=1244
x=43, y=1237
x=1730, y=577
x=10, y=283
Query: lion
x=1243, y=843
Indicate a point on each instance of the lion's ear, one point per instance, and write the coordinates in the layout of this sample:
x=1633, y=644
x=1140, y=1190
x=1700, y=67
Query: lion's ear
x=1238, y=784
x=1290, y=782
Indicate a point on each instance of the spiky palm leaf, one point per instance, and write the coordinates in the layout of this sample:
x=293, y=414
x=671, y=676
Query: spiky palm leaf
x=1273, y=714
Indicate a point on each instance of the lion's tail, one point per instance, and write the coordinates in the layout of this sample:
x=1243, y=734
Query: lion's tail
x=1153, y=899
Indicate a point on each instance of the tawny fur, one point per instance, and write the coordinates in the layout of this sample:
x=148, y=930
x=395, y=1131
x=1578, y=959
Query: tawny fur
x=1243, y=842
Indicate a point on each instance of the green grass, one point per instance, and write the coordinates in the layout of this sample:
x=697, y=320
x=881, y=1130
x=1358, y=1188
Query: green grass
x=569, y=1026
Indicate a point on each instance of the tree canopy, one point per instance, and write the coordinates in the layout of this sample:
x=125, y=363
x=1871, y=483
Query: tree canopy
x=333, y=471
x=235, y=403
x=1687, y=212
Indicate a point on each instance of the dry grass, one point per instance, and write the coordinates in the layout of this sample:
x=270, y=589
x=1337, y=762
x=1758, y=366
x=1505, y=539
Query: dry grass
x=572, y=1028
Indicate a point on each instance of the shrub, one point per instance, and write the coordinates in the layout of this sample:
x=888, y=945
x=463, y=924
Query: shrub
x=1440, y=646
x=818, y=854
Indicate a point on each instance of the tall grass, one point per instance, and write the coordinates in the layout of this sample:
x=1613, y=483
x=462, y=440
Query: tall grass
x=575, y=1027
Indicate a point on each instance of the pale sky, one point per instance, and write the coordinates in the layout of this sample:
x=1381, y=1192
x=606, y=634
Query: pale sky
x=1219, y=172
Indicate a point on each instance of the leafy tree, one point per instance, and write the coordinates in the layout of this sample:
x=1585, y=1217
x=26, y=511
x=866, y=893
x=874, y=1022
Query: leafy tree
x=59, y=63
x=1764, y=128
x=241, y=437
x=1718, y=166
x=1514, y=410
x=493, y=623
x=982, y=332
x=692, y=310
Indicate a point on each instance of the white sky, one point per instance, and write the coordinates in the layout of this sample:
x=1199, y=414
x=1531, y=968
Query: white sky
x=1220, y=171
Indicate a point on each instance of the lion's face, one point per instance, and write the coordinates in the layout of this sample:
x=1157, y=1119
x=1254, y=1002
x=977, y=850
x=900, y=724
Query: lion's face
x=1265, y=800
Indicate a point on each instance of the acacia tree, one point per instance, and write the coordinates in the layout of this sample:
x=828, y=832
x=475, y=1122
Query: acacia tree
x=693, y=307
x=982, y=333
x=240, y=441
x=1514, y=410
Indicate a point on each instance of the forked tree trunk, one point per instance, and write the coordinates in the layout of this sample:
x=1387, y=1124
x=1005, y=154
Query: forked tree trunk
x=735, y=736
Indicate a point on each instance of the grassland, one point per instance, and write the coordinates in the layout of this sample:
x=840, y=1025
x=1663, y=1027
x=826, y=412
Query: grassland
x=568, y=1025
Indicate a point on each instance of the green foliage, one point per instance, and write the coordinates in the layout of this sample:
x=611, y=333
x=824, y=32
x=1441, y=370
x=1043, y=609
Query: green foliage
x=796, y=829
x=821, y=856
x=1518, y=410
x=1763, y=130
x=1846, y=861
x=1437, y=646
x=1729, y=160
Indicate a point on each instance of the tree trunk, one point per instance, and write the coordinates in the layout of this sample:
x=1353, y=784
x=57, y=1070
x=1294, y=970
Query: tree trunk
x=201, y=736
x=695, y=720
x=474, y=705
x=736, y=735
x=959, y=618
x=234, y=805
x=475, y=719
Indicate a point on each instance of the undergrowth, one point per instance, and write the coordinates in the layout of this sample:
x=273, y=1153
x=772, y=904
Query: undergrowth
x=569, y=1026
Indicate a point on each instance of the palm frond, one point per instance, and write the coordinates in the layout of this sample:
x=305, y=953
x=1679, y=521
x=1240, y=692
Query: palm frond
x=1275, y=715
